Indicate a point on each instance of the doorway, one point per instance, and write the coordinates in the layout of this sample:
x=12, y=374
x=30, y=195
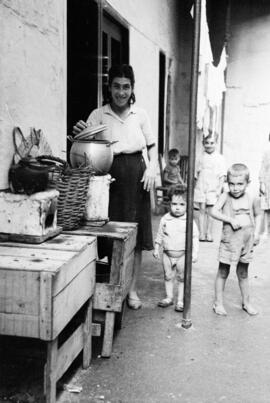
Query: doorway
x=115, y=50
x=82, y=60
x=84, y=34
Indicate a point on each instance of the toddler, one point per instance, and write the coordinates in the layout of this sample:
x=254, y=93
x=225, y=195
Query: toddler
x=210, y=175
x=241, y=217
x=172, y=237
x=171, y=174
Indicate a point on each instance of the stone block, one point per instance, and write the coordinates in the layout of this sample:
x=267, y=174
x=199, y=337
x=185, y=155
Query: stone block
x=28, y=215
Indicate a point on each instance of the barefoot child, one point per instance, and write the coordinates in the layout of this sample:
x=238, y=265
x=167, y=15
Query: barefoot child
x=241, y=216
x=210, y=173
x=172, y=237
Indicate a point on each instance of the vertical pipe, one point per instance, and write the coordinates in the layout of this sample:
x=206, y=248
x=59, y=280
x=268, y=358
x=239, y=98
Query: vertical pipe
x=186, y=322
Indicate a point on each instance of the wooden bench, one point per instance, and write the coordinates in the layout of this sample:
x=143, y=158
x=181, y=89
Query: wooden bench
x=39, y=297
x=110, y=294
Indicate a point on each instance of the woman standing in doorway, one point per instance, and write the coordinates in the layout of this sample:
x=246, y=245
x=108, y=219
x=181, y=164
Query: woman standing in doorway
x=130, y=193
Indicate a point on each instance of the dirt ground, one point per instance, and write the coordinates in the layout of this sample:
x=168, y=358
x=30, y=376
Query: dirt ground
x=155, y=360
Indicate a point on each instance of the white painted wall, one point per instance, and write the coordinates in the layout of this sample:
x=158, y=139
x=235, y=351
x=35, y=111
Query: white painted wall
x=156, y=25
x=247, y=110
x=32, y=74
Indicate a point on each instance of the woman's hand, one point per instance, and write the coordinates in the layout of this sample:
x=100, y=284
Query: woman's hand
x=148, y=178
x=79, y=126
x=156, y=253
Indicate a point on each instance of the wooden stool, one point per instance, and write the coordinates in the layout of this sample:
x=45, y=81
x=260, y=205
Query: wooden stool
x=39, y=296
x=110, y=296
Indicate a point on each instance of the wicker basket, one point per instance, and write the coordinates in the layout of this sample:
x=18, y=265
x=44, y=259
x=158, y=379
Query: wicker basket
x=72, y=184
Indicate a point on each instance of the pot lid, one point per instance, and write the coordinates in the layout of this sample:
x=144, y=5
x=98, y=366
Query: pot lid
x=89, y=132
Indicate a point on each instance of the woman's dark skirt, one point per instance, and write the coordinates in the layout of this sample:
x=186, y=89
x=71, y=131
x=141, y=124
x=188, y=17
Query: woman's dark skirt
x=129, y=202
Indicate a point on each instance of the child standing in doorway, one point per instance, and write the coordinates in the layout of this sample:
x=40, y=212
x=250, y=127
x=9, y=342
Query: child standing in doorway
x=172, y=237
x=241, y=217
x=171, y=173
x=210, y=176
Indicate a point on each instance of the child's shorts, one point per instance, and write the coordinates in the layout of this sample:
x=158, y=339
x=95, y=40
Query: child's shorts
x=208, y=197
x=236, y=246
x=174, y=265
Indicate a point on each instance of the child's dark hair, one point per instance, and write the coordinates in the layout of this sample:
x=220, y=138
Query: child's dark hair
x=173, y=153
x=179, y=190
x=238, y=169
x=122, y=70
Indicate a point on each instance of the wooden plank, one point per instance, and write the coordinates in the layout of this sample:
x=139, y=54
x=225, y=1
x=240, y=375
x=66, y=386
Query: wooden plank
x=108, y=334
x=36, y=253
x=51, y=377
x=19, y=292
x=108, y=297
x=73, y=266
x=99, y=231
x=127, y=274
x=117, y=261
x=96, y=329
x=72, y=297
x=19, y=325
x=45, y=314
x=69, y=351
x=130, y=243
x=87, y=335
x=113, y=229
x=35, y=263
x=25, y=238
x=61, y=242
x=29, y=264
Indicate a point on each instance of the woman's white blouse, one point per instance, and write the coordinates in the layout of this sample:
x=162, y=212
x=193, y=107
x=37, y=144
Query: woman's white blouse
x=132, y=134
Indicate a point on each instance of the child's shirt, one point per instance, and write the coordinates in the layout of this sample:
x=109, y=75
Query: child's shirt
x=210, y=169
x=172, y=234
x=173, y=174
x=244, y=209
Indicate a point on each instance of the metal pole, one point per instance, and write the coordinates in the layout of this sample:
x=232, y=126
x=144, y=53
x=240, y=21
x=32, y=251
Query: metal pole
x=186, y=321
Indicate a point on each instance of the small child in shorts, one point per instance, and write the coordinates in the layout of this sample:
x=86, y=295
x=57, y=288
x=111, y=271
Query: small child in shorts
x=172, y=237
x=210, y=176
x=171, y=173
x=241, y=216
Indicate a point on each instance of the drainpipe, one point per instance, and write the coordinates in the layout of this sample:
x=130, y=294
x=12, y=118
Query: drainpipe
x=186, y=321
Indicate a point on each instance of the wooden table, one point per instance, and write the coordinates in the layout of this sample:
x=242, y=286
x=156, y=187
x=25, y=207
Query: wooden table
x=110, y=295
x=39, y=297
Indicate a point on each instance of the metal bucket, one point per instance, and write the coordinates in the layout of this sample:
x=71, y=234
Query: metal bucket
x=97, y=203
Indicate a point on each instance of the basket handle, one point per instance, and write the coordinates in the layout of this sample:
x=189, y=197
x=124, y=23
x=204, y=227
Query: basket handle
x=18, y=138
x=51, y=158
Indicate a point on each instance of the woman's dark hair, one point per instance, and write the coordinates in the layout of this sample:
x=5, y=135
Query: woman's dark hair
x=121, y=70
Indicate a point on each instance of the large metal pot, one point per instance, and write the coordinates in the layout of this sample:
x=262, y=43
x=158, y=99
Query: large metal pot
x=96, y=153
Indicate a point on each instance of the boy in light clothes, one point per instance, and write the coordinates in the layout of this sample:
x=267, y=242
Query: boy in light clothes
x=210, y=176
x=241, y=216
x=172, y=237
